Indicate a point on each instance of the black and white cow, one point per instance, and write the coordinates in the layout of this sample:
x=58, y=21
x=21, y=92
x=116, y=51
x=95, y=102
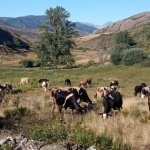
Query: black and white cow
x=68, y=82
x=146, y=93
x=114, y=83
x=69, y=97
x=2, y=93
x=112, y=101
x=139, y=88
x=8, y=87
x=43, y=80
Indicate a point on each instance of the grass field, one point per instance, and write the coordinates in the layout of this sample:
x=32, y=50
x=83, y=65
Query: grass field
x=132, y=124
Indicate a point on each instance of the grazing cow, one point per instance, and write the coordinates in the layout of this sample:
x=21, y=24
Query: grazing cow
x=8, y=87
x=146, y=93
x=114, y=101
x=2, y=93
x=24, y=80
x=68, y=82
x=68, y=97
x=114, y=83
x=42, y=80
x=102, y=91
x=2, y=88
x=139, y=88
x=45, y=85
x=85, y=83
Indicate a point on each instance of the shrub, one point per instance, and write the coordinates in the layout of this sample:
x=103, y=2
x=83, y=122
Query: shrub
x=133, y=56
x=118, y=53
x=91, y=63
x=15, y=113
x=146, y=63
x=27, y=63
x=37, y=63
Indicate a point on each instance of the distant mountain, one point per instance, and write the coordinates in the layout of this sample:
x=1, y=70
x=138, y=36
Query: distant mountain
x=33, y=21
x=128, y=23
x=99, y=26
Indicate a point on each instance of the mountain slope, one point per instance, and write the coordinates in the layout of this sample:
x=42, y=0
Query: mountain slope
x=133, y=21
x=8, y=37
x=33, y=21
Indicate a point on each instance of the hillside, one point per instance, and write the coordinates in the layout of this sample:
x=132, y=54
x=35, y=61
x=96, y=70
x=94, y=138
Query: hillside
x=7, y=36
x=126, y=24
x=32, y=22
x=140, y=34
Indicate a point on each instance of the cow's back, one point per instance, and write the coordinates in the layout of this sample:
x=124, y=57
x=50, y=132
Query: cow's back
x=118, y=99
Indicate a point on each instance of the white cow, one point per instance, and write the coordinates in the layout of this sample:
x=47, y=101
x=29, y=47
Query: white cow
x=45, y=85
x=24, y=80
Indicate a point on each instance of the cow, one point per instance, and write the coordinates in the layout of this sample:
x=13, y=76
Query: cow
x=42, y=80
x=7, y=87
x=85, y=83
x=68, y=82
x=102, y=91
x=2, y=93
x=62, y=98
x=139, y=88
x=114, y=83
x=45, y=85
x=146, y=93
x=112, y=101
x=24, y=80
x=2, y=88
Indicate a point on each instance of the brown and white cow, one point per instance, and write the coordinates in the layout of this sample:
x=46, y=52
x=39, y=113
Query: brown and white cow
x=24, y=80
x=102, y=91
x=85, y=83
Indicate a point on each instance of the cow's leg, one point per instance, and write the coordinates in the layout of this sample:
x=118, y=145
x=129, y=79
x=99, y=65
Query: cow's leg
x=72, y=114
x=149, y=106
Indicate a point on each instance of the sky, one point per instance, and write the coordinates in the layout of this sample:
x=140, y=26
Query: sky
x=97, y=12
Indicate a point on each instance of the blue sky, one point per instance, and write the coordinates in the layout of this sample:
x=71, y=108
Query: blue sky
x=97, y=12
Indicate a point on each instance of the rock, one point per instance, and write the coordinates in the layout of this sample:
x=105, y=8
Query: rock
x=53, y=147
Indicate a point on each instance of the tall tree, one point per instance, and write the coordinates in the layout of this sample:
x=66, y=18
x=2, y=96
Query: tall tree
x=54, y=44
x=124, y=37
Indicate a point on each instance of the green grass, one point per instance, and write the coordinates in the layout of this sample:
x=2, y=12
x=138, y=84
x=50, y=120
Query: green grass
x=128, y=76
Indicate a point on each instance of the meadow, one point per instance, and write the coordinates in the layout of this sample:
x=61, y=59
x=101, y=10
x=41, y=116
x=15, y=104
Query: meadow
x=131, y=125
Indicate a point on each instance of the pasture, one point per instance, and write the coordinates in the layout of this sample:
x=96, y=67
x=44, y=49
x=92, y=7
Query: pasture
x=131, y=125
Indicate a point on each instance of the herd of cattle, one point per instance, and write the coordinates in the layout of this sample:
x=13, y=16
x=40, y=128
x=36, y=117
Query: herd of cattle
x=71, y=97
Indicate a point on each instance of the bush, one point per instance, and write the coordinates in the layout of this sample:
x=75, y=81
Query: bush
x=146, y=63
x=134, y=56
x=91, y=63
x=27, y=63
x=37, y=63
x=77, y=134
x=118, y=53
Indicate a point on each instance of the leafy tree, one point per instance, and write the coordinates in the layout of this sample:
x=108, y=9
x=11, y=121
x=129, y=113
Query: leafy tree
x=134, y=55
x=124, y=37
x=55, y=42
x=118, y=53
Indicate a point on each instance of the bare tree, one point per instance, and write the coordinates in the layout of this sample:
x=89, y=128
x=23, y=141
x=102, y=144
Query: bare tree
x=102, y=53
